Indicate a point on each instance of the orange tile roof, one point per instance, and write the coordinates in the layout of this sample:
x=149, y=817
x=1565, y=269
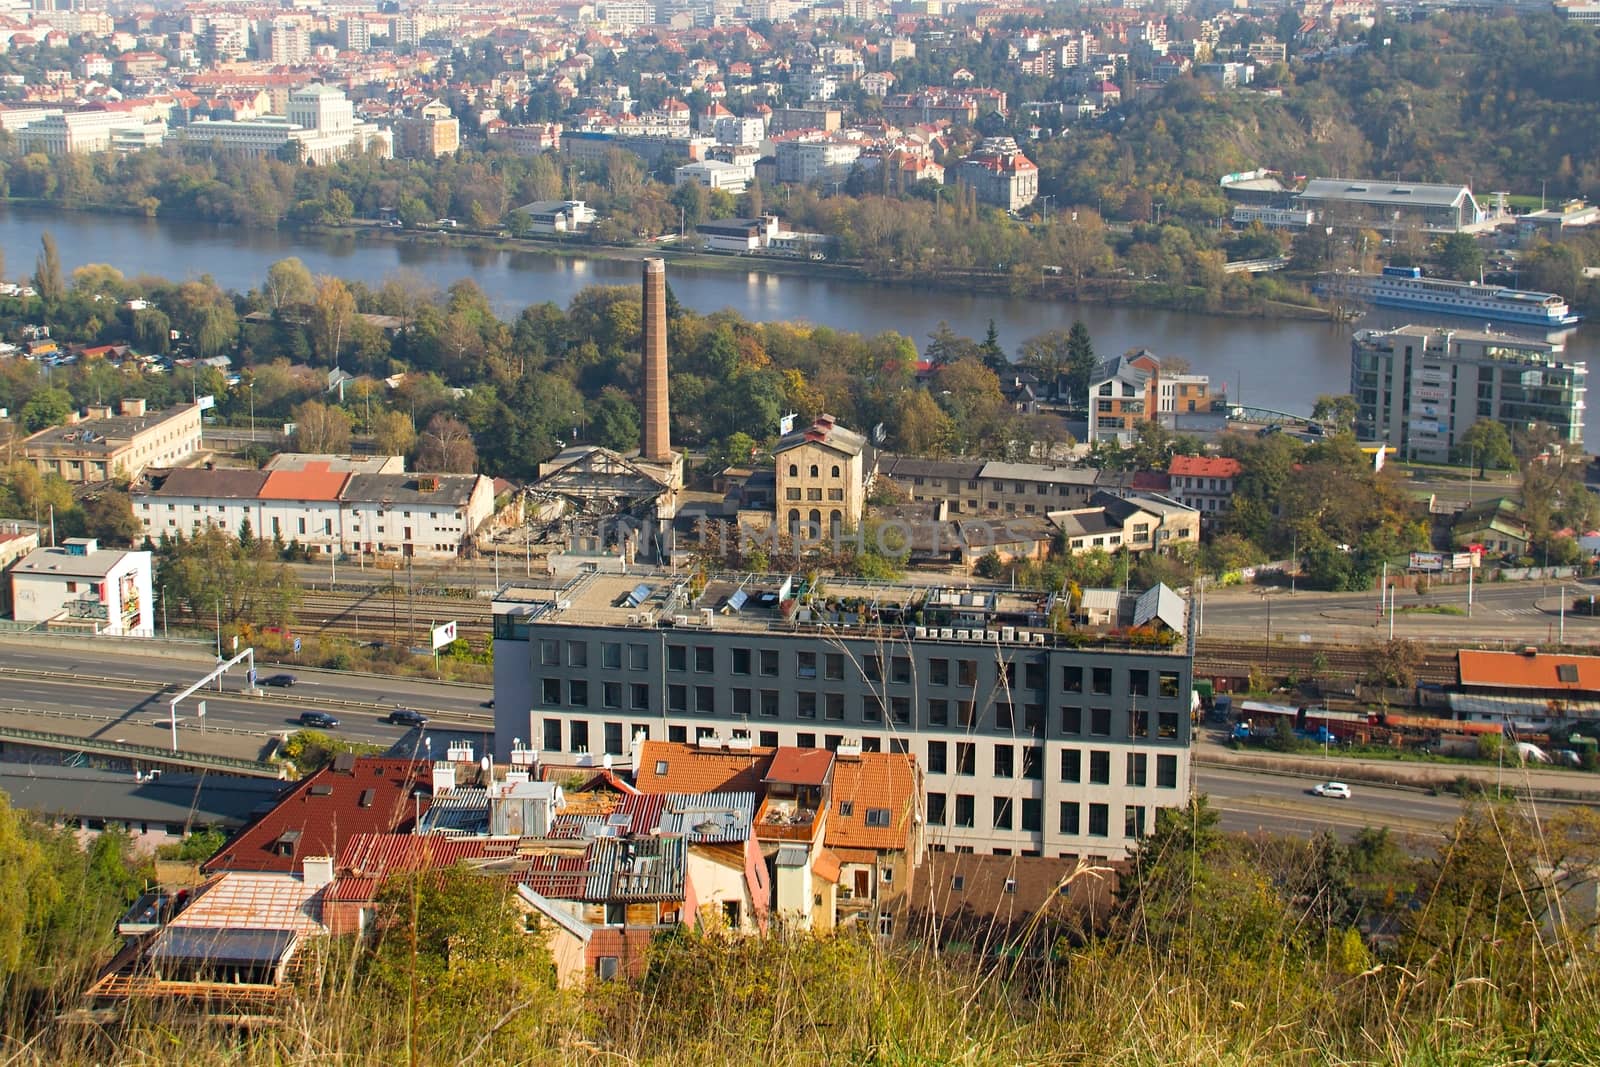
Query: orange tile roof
x=826, y=867
x=672, y=767
x=1513, y=670
x=315, y=482
x=800, y=766
x=877, y=780
x=1204, y=466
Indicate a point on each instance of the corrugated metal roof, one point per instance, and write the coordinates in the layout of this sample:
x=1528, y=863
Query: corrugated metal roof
x=636, y=869
x=709, y=818
x=1160, y=603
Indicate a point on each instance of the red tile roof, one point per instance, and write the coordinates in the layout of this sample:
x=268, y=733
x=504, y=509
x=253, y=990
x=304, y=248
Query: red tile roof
x=1513, y=670
x=315, y=482
x=878, y=781
x=324, y=811
x=671, y=767
x=1204, y=466
x=800, y=766
x=367, y=859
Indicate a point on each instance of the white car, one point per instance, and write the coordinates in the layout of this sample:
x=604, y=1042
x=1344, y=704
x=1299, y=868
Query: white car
x=1332, y=789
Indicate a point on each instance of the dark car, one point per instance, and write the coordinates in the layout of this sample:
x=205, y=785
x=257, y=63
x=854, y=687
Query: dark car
x=320, y=719
x=407, y=717
x=280, y=681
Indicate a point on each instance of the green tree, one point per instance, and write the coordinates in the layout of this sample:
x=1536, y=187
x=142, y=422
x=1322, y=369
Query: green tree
x=46, y=408
x=47, y=278
x=289, y=284
x=1486, y=444
x=1460, y=257
x=1336, y=412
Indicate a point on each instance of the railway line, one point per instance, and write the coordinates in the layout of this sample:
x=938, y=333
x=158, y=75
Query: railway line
x=390, y=613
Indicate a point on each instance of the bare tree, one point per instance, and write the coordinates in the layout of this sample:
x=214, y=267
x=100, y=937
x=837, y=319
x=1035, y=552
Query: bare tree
x=446, y=447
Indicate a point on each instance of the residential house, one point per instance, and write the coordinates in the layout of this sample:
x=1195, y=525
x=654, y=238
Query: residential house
x=1129, y=390
x=1204, y=483
x=78, y=585
x=1138, y=522
x=1495, y=524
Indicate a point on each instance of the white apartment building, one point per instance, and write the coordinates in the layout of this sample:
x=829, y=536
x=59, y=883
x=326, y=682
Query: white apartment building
x=715, y=174
x=324, y=505
x=807, y=161
x=89, y=131
x=320, y=121
x=739, y=129
x=81, y=585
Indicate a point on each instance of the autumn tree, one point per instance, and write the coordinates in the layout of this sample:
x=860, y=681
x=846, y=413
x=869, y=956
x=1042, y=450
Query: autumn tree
x=47, y=278
x=289, y=283
x=393, y=434
x=332, y=310
x=446, y=447
x=319, y=428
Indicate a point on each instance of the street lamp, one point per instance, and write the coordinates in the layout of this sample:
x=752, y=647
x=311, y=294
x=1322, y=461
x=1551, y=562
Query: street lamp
x=1266, y=598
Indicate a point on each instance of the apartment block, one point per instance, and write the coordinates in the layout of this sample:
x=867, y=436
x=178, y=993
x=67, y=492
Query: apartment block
x=1420, y=388
x=100, y=445
x=1031, y=741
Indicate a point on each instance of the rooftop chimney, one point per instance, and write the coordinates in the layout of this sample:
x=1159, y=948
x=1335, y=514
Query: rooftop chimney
x=133, y=405
x=657, y=441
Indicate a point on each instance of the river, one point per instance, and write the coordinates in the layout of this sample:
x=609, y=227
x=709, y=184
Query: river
x=1281, y=364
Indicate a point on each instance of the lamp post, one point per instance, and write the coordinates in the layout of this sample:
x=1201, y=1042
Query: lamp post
x=1266, y=598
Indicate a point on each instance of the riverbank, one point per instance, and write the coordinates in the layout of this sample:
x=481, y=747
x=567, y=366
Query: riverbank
x=1114, y=292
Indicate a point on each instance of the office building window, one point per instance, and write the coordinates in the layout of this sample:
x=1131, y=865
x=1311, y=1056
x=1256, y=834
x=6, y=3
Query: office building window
x=835, y=706
x=1002, y=761
x=1136, y=768
x=1032, y=815
x=578, y=693
x=1099, y=820
x=833, y=666
x=638, y=657
x=705, y=699
x=1033, y=763
x=805, y=740
x=613, y=739
x=1033, y=719
x=1166, y=772
x=550, y=653
x=1002, y=813
x=1071, y=765
x=769, y=662
x=1167, y=724
x=1069, y=817
x=967, y=672
x=937, y=755
x=1072, y=721
x=769, y=702
x=677, y=657
x=580, y=736
x=639, y=696
x=900, y=710
x=1133, y=821
x=552, y=735
x=1169, y=683
x=1072, y=679
x=1099, y=767
x=966, y=758
x=806, y=705
x=966, y=714
x=741, y=703
x=1100, y=722
x=1100, y=681
x=1139, y=683
x=705, y=659
x=741, y=661
x=678, y=735
x=1002, y=716
x=611, y=656
x=577, y=653
x=871, y=708
x=1033, y=675
x=966, y=810
x=769, y=739
x=936, y=813
x=805, y=664
x=938, y=713
x=872, y=667
x=551, y=692
x=677, y=698
x=938, y=672
x=611, y=694
x=900, y=670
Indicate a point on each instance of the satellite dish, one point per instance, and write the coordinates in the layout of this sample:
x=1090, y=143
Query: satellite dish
x=485, y=764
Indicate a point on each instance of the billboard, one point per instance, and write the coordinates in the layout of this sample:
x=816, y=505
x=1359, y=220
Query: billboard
x=1427, y=561
x=443, y=634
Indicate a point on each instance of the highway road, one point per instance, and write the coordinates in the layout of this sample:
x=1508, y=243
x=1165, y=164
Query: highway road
x=1251, y=801
x=133, y=688
x=128, y=688
x=1513, y=612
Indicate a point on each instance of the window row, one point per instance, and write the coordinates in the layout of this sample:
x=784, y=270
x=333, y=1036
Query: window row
x=1027, y=815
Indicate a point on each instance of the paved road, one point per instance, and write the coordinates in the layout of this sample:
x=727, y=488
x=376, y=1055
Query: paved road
x=1509, y=611
x=1279, y=803
x=137, y=689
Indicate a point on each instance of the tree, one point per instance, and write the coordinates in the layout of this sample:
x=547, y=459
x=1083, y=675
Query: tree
x=1335, y=411
x=614, y=423
x=1460, y=257
x=446, y=447
x=332, y=310
x=46, y=408
x=320, y=428
x=1394, y=664
x=289, y=283
x=47, y=279
x=393, y=434
x=1486, y=444
x=1080, y=362
x=109, y=518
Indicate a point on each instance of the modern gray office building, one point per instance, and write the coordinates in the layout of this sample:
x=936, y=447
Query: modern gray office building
x=1034, y=739
x=1420, y=388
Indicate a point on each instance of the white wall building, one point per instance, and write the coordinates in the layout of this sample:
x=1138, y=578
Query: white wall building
x=715, y=174
x=80, y=584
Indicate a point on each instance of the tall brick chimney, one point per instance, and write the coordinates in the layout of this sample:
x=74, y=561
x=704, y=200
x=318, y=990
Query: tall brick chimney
x=657, y=440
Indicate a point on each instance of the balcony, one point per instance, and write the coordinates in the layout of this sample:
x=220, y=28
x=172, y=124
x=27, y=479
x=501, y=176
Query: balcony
x=786, y=819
